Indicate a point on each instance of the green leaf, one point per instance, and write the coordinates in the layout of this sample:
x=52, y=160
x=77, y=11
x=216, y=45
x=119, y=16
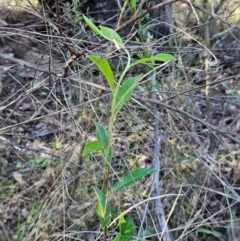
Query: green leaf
x=19, y=165
x=104, y=32
x=127, y=227
x=125, y=92
x=111, y=35
x=31, y=162
x=163, y=57
x=91, y=25
x=211, y=232
x=121, y=219
x=45, y=163
x=104, y=209
x=105, y=69
x=133, y=4
x=101, y=201
x=92, y=146
x=123, y=238
x=102, y=135
x=132, y=177
x=158, y=57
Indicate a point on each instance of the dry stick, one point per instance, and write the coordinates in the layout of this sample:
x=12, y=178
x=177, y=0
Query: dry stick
x=5, y=233
x=72, y=51
x=201, y=86
x=209, y=126
x=212, y=139
x=123, y=26
x=218, y=7
x=29, y=91
x=25, y=64
x=75, y=172
x=140, y=6
x=58, y=18
x=157, y=188
x=159, y=209
x=1, y=84
x=213, y=15
x=138, y=204
x=36, y=68
x=43, y=70
x=204, y=160
x=122, y=13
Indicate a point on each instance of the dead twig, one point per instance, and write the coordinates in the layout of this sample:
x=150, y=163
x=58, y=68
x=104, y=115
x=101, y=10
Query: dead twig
x=123, y=9
x=157, y=187
x=213, y=15
x=208, y=89
x=26, y=64
x=209, y=126
x=59, y=26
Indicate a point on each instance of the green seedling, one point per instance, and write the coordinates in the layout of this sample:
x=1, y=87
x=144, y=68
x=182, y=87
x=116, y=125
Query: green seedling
x=121, y=91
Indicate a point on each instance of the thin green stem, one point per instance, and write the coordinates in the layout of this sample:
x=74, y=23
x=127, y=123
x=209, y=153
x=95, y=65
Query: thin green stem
x=113, y=106
x=110, y=132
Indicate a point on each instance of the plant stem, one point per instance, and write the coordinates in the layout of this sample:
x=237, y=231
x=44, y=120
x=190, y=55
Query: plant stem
x=110, y=134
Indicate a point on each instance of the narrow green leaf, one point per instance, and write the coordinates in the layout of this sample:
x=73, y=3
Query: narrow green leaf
x=105, y=69
x=142, y=61
x=107, y=32
x=158, y=57
x=102, y=135
x=121, y=219
x=91, y=25
x=208, y=231
x=125, y=92
x=104, y=32
x=101, y=201
x=111, y=35
x=92, y=146
x=104, y=209
x=163, y=57
x=105, y=221
x=133, y=4
x=132, y=177
x=127, y=227
x=123, y=238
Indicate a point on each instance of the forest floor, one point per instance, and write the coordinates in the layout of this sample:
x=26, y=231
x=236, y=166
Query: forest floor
x=44, y=122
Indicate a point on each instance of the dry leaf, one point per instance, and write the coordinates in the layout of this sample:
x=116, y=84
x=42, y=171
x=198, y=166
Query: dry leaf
x=18, y=177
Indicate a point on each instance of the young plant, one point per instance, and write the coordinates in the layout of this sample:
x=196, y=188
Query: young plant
x=121, y=91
